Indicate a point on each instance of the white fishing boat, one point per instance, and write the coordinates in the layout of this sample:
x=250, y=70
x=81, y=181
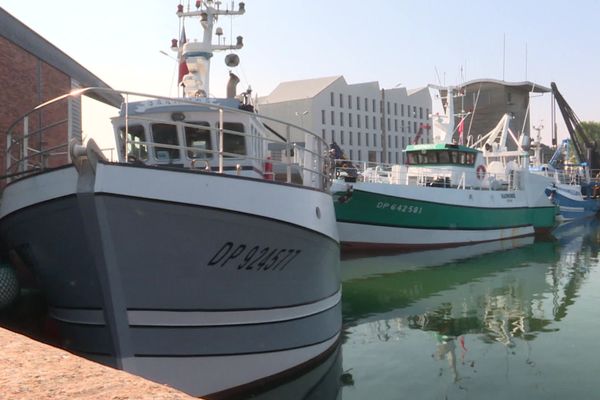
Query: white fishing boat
x=446, y=194
x=183, y=258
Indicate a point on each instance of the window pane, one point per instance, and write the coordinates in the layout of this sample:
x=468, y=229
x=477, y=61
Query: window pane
x=444, y=157
x=198, y=138
x=135, y=135
x=412, y=158
x=233, y=143
x=165, y=134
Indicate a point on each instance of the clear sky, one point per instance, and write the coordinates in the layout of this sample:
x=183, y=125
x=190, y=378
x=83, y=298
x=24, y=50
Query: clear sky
x=412, y=43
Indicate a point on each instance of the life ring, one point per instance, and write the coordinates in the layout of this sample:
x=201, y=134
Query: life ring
x=480, y=172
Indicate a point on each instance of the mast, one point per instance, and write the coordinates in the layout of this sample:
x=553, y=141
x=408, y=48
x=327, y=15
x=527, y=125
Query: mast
x=197, y=55
x=442, y=113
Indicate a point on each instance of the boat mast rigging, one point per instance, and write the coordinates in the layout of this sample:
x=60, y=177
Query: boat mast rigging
x=197, y=54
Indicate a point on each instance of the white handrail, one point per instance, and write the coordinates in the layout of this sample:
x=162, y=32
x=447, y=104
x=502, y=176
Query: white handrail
x=28, y=158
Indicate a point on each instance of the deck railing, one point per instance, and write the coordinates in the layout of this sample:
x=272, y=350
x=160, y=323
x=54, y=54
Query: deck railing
x=40, y=139
x=434, y=176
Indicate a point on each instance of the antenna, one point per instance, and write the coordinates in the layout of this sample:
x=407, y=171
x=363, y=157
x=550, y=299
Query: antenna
x=525, y=60
x=438, y=76
x=503, y=55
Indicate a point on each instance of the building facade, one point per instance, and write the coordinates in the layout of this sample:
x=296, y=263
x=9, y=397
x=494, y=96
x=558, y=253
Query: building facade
x=33, y=71
x=487, y=100
x=367, y=122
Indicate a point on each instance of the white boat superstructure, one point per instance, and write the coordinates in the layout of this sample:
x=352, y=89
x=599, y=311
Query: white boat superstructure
x=200, y=252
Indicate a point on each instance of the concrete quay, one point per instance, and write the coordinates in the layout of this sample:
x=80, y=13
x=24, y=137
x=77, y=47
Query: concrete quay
x=33, y=370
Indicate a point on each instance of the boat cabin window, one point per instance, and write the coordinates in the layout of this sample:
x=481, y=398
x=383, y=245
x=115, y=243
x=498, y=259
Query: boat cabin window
x=454, y=157
x=198, y=138
x=469, y=158
x=233, y=143
x=444, y=157
x=165, y=134
x=431, y=157
x=136, y=141
x=441, y=157
x=412, y=158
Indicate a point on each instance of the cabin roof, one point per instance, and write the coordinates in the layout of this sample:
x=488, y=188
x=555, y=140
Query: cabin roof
x=176, y=105
x=439, y=147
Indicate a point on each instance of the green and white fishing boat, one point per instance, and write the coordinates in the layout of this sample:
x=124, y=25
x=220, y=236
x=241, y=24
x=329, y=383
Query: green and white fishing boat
x=445, y=194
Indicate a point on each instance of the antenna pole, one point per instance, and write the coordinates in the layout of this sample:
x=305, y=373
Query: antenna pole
x=503, y=55
x=525, y=60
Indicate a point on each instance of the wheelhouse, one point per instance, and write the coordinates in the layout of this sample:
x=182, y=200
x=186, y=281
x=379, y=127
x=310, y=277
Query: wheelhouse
x=440, y=155
x=189, y=137
x=442, y=165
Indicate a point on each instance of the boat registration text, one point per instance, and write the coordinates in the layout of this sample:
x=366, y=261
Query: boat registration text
x=246, y=257
x=399, y=207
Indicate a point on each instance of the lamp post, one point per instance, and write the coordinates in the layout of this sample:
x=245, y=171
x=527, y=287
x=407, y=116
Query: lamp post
x=537, y=144
x=384, y=157
x=301, y=114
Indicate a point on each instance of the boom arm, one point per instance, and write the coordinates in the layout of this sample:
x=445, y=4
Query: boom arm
x=584, y=147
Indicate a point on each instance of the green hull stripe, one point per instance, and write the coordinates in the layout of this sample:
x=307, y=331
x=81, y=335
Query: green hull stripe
x=430, y=227
x=379, y=209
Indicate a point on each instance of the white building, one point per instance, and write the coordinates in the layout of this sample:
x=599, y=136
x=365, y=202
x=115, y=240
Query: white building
x=352, y=115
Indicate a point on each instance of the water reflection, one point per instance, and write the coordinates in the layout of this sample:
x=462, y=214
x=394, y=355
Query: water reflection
x=470, y=309
x=463, y=289
x=322, y=381
x=579, y=242
x=494, y=320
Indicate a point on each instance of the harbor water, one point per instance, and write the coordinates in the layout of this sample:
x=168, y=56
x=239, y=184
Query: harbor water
x=518, y=319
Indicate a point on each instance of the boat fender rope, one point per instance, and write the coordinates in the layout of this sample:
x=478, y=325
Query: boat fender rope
x=346, y=197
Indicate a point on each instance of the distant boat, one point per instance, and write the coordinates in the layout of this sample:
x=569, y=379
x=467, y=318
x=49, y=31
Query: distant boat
x=570, y=185
x=446, y=194
x=186, y=259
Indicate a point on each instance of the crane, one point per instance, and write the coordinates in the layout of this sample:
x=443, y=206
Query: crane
x=585, y=147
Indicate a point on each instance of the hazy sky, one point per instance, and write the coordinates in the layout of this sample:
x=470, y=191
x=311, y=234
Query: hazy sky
x=411, y=43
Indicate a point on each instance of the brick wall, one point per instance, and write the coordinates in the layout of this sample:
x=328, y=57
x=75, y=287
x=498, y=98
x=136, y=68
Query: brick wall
x=25, y=82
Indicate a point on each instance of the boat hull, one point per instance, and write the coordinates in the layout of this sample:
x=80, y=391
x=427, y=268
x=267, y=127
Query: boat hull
x=199, y=295
x=572, y=205
x=372, y=215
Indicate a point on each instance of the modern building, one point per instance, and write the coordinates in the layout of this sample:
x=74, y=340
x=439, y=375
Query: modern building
x=367, y=122
x=487, y=100
x=32, y=71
